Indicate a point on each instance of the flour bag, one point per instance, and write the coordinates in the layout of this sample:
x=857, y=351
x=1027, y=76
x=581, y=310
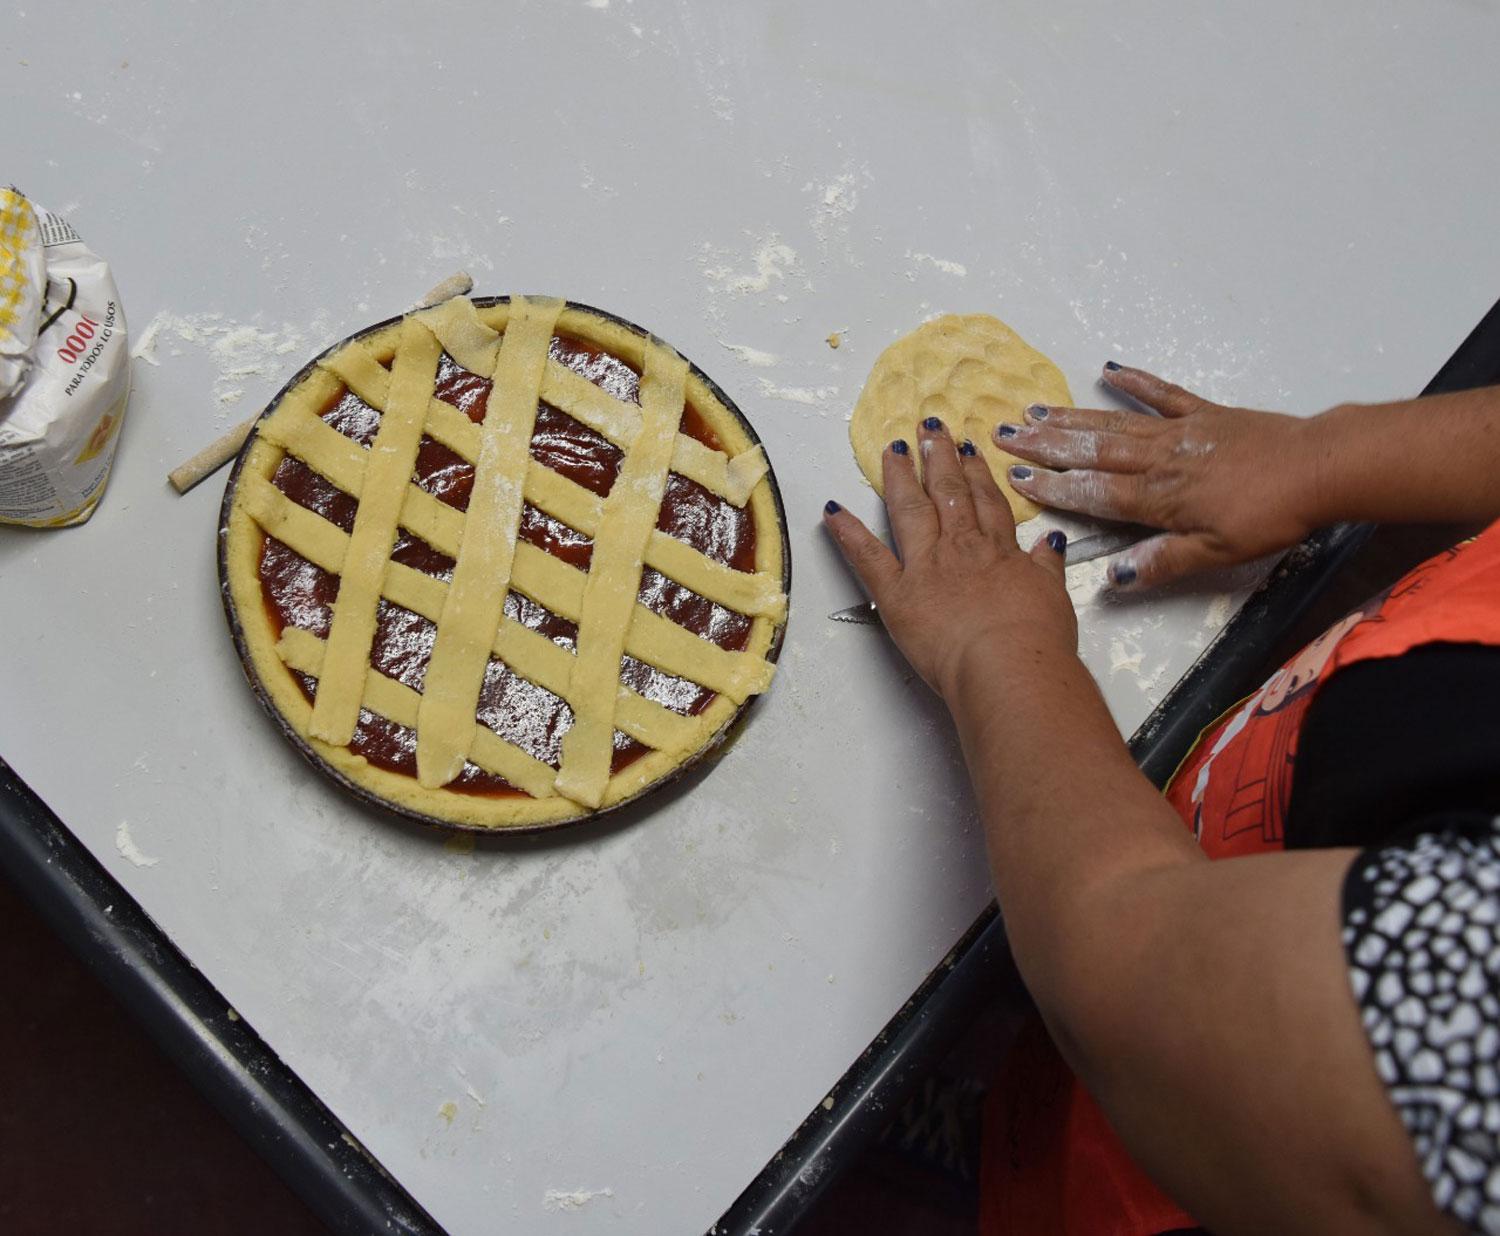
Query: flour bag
x=64, y=368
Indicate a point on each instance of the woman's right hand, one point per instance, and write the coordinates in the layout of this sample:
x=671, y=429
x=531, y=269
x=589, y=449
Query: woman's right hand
x=1225, y=484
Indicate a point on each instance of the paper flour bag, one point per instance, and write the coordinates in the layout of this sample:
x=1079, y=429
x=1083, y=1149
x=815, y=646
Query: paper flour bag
x=64, y=369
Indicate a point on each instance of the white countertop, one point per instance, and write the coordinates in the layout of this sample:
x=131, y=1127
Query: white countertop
x=1284, y=205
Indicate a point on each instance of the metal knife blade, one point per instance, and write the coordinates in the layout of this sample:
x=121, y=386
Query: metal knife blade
x=865, y=614
x=1096, y=545
x=1104, y=542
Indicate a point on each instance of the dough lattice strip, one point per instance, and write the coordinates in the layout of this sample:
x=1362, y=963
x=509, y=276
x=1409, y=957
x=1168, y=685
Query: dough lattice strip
x=614, y=579
x=482, y=571
x=392, y=456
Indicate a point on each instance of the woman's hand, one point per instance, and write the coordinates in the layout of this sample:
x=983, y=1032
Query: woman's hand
x=1226, y=484
x=961, y=591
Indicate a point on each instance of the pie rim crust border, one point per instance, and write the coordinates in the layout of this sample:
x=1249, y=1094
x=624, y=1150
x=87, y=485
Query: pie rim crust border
x=240, y=541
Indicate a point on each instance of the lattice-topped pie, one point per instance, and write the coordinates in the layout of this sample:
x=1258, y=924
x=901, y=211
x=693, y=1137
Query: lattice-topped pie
x=504, y=562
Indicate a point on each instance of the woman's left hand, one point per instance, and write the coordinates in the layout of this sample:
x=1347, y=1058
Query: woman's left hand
x=961, y=593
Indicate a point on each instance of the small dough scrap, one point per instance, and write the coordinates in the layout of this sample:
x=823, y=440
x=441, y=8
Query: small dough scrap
x=970, y=370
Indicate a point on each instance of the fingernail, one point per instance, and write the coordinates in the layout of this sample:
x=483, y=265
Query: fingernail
x=1006, y=431
x=831, y=507
x=1111, y=365
x=1037, y=412
x=932, y=424
x=1020, y=472
x=899, y=446
x=1122, y=573
x=1057, y=539
x=967, y=448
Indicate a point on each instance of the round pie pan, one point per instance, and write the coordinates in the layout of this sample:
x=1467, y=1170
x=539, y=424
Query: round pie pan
x=711, y=746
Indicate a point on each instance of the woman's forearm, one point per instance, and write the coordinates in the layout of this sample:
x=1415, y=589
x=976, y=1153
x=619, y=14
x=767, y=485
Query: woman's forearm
x=1204, y=1004
x=1432, y=460
x=1065, y=809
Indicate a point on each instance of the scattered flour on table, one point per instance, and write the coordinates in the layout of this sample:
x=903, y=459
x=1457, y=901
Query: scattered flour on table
x=774, y=260
x=1086, y=581
x=752, y=356
x=1125, y=657
x=1150, y=684
x=937, y=263
x=1220, y=610
x=833, y=203
x=129, y=851
x=810, y=396
x=242, y=351
x=446, y=247
x=572, y=1199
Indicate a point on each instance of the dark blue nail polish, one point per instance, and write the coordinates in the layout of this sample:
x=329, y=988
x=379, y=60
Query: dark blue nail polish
x=1111, y=365
x=967, y=448
x=899, y=446
x=1122, y=573
x=1037, y=412
x=932, y=424
x=1057, y=540
x=831, y=507
x=1020, y=472
x=1006, y=431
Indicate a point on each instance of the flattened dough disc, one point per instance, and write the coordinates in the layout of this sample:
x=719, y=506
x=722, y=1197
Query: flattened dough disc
x=971, y=371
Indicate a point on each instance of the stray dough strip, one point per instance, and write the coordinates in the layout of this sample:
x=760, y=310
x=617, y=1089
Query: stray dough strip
x=392, y=456
x=303, y=651
x=614, y=578
x=481, y=576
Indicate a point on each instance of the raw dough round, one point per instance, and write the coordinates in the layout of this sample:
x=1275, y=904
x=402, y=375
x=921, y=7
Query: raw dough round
x=971, y=371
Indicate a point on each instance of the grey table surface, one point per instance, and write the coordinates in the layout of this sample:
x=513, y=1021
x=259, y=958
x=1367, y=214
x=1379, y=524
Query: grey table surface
x=612, y=1030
